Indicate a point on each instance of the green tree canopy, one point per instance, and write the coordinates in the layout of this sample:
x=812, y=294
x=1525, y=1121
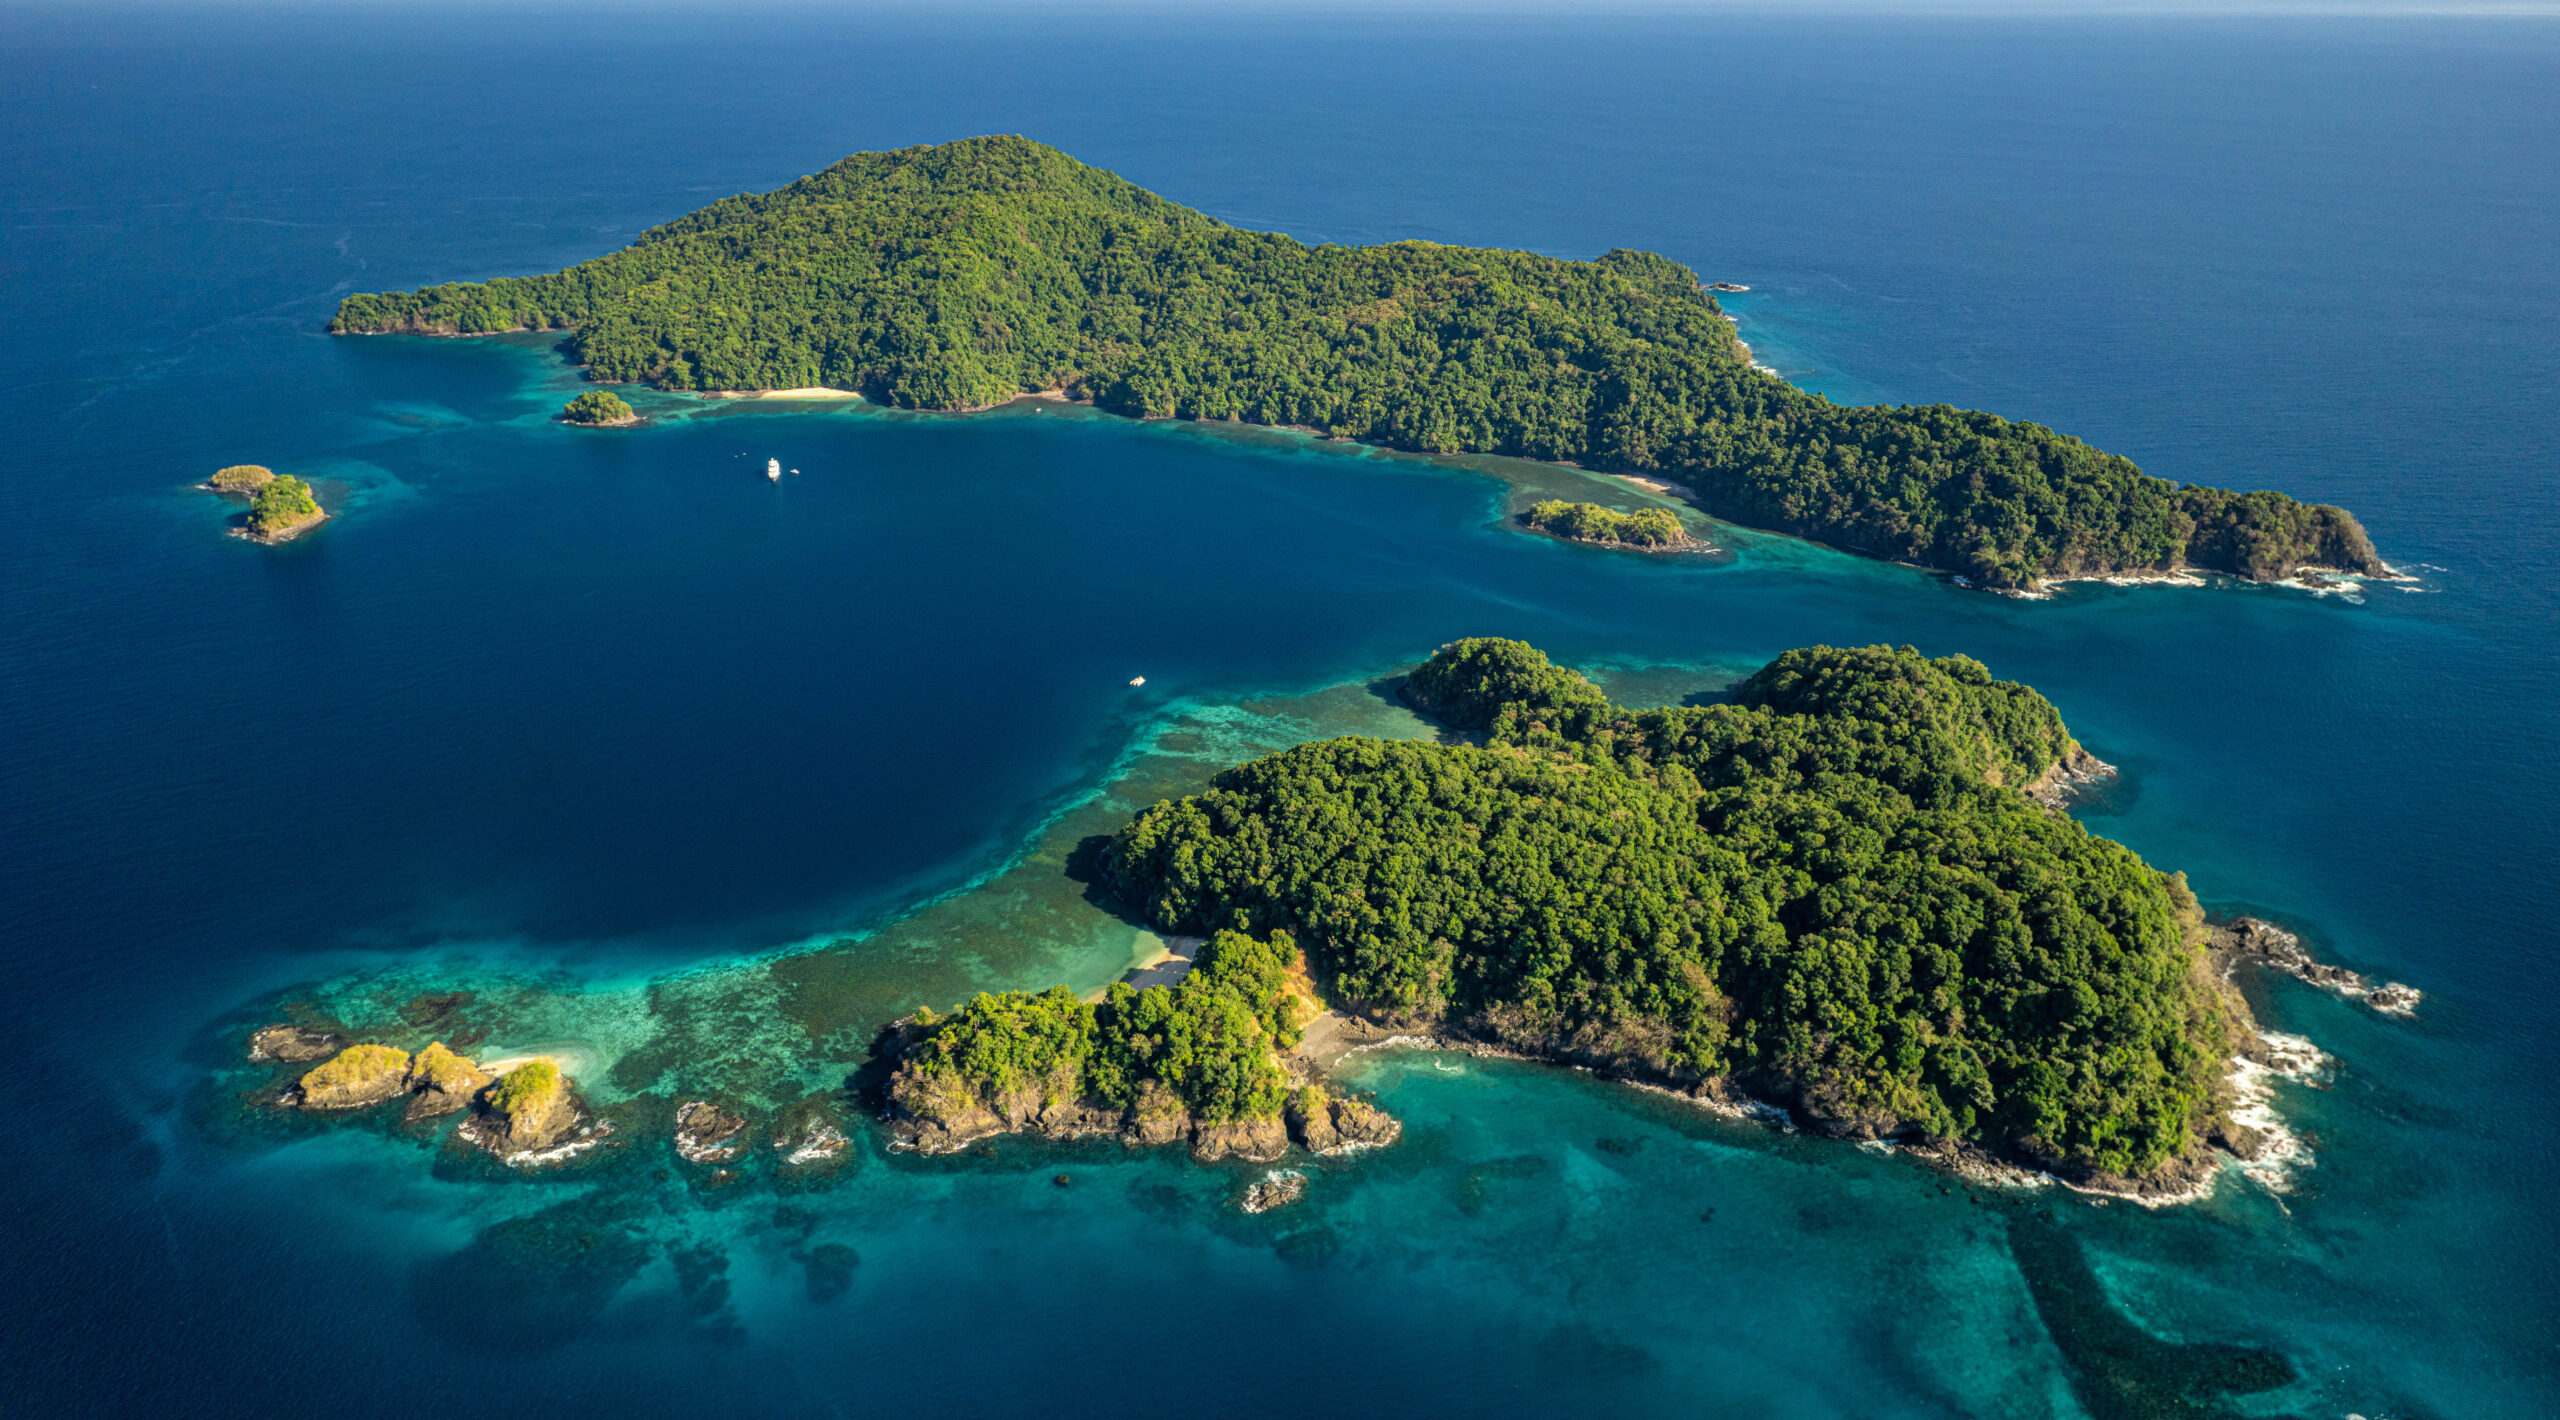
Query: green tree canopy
x=1829, y=888
x=281, y=505
x=597, y=407
x=1589, y=522
x=1209, y=1038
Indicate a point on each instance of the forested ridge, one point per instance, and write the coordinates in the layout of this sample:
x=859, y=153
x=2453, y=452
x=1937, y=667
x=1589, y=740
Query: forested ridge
x=1209, y=1040
x=1829, y=889
x=961, y=275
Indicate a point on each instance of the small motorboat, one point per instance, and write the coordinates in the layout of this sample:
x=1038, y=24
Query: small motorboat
x=1137, y=680
x=773, y=469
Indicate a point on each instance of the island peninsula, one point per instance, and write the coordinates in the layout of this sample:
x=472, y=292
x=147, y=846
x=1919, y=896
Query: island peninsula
x=966, y=274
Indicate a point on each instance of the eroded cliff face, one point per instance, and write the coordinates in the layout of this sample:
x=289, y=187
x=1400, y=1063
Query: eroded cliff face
x=1333, y=1126
x=532, y=1122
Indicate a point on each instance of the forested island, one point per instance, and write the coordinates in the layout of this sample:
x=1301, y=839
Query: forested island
x=598, y=409
x=280, y=508
x=963, y=275
x=1833, y=893
x=1648, y=529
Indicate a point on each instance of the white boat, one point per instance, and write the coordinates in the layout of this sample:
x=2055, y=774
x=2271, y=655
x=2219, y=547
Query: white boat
x=1138, y=680
x=773, y=469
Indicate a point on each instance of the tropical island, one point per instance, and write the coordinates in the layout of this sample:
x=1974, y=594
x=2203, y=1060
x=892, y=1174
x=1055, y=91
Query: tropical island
x=967, y=274
x=598, y=409
x=280, y=508
x=1848, y=897
x=1834, y=894
x=1646, y=529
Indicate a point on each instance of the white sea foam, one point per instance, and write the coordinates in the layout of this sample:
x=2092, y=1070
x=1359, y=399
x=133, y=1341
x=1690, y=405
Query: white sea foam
x=2282, y=1153
x=557, y=1152
x=823, y=1141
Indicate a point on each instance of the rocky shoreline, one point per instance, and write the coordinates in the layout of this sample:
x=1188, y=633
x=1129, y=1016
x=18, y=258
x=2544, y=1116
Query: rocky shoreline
x=2244, y=1134
x=938, y=1115
x=1684, y=543
x=2069, y=780
x=2272, y=948
x=529, y=1113
x=277, y=537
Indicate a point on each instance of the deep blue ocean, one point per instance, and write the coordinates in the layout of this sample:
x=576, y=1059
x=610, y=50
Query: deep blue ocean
x=663, y=761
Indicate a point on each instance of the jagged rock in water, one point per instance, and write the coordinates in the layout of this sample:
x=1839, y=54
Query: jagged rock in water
x=1276, y=1189
x=2394, y=999
x=703, y=1132
x=2250, y=939
x=818, y=1142
x=291, y=1044
x=357, y=1076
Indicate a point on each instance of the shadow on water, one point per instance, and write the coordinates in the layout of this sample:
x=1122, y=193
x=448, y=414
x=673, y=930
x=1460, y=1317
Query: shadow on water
x=530, y=1284
x=2118, y=1370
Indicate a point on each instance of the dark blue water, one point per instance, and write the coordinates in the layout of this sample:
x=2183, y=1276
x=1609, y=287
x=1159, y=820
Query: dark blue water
x=603, y=719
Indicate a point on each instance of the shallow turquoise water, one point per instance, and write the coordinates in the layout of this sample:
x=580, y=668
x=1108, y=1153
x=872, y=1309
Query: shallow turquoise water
x=603, y=726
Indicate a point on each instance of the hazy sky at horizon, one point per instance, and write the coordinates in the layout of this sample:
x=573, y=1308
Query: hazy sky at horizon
x=2051, y=9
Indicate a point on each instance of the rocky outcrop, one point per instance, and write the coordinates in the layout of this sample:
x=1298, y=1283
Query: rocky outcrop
x=291, y=1044
x=2249, y=939
x=1325, y=1125
x=941, y=1113
x=703, y=1132
x=1157, y=1118
x=1254, y=1140
x=1276, y=1189
x=2069, y=779
x=357, y=1076
x=817, y=1142
x=443, y=1083
x=530, y=1109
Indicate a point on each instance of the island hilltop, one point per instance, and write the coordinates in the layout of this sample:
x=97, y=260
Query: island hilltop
x=598, y=409
x=966, y=274
x=280, y=509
